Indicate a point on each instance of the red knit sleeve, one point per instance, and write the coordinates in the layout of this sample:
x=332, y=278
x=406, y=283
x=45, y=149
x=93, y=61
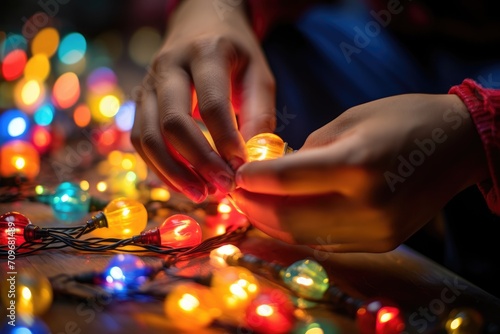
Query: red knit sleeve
x=484, y=107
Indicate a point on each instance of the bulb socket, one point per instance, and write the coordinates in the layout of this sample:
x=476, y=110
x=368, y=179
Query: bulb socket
x=151, y=237
x=34, y=232
x=97, y=221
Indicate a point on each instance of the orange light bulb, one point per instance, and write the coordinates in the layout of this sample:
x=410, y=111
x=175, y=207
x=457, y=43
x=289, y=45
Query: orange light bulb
x=19, y=157
x=266, y=146
x=123, y=218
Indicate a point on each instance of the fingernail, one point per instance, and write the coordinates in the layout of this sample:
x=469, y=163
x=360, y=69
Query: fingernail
x=238, y=179
x=236, y=162
x=211, y=189
x=224, y=183
x=194, y=194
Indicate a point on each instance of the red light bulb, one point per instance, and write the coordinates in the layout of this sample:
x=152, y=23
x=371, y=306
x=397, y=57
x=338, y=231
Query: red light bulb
x=380, y=317
x=270, y=312
x=176, y=231
x=12, y=225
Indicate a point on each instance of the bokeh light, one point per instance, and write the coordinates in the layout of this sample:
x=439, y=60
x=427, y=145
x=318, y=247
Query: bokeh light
x=143, y=44
x=45, y=42
x=14, y=124
x=13, y=64
x=44, y=115
x=66, y=90
x=102, y=79
x=19, y=157
x=12, y=42
x=37, y=68
x=82, y=116
x=104, y=105
x=124, y=119
x=41, y=138
x=29, y=95
x=31, y=92
x=72, y=48
x=109, y=106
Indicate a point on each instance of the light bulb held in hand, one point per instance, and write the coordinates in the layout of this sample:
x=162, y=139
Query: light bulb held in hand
x=266, y=146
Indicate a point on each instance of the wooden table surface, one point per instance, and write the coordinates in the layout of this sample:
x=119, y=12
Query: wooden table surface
x=414, y=282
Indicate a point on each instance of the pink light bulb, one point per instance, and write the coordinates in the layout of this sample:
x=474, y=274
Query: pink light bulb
x=177, y=231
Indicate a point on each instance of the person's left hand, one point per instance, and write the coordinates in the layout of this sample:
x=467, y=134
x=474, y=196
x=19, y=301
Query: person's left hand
x=369, y=179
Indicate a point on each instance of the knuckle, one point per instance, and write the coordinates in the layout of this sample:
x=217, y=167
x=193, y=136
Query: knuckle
x=150, y=141
x=210, y=45
x=161, y=61
x=212, y=103
x=173, y=124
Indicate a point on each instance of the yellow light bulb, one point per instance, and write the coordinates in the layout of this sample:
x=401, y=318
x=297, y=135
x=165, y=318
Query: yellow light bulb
x=266, y=146
x=234, y=288
x=159, y=194
x=219, y=255
x=125, y=218
x=190, y=306
x=34, y=293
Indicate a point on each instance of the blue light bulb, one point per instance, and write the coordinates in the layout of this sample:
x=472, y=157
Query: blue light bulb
x=69, y=202
x=125, y=272
x=25, y=324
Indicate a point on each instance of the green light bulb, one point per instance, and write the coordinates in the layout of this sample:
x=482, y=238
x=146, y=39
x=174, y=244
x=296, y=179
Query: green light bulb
x=307, y=278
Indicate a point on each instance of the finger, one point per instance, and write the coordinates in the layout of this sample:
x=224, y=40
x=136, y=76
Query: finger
x=211, y=72
x=135, y=138
x=310, y=220
x=258, y=106
x=183, y=134
x=313, y=171
x=161, y=157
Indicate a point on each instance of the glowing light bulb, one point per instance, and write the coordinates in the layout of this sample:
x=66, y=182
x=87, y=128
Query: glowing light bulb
x=12, y=225
x=317, y=326
x=306, y=277
x=270, y=311
x=379, y=317
x=123, y=218
x=464, y=321
x=33, y=292
x=227, y=215
x=234, y=288
x=125, y=272
x=190, y=306
x=176, y=231
x=25, y=325
x=14, y=124
x=19, y=157
x=159, y=194
x=266, y=146
x=219, y=255
x=69, y=202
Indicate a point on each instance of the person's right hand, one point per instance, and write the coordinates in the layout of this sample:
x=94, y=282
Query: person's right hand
x=219, y=56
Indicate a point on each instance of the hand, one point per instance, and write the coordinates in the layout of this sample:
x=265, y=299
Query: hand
x=369, y=179
x=222, y=59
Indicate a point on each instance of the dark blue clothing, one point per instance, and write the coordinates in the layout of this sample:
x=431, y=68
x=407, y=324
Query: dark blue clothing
x=317, y=80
